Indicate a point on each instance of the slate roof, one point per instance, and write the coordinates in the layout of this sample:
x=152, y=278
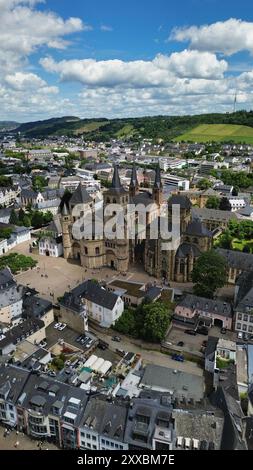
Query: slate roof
x=186, y=249
x=116, y=183
x=180, y=383
x=6, y=278
x=80, y=196
x=183, y=201
x=197, y=228
x=208, y=305
x=237, y=259
x=108, y=419
x=91, y=291
x=35, y=307
x=212, y=214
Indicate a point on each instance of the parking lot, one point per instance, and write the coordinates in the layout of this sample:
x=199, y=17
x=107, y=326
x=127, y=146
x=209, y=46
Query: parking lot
x=194, y=343
x=191, y=343
x=69, y=336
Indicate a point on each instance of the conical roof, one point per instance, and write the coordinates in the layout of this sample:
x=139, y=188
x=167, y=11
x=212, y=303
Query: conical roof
x=116, y=183
x=158, y=181
x=80, y=196
x=134, y=179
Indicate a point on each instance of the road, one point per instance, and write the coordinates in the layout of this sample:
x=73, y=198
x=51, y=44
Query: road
x=149, y=356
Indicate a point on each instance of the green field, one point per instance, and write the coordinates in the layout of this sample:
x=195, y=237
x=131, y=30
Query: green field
x=218, y=133
x=126, y=131
x=91, y=126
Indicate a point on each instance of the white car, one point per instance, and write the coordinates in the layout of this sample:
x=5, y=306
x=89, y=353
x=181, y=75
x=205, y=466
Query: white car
x=56, y=326
x=62, y=326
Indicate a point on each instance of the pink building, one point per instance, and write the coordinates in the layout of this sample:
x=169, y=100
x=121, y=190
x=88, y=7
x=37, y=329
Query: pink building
x=193, y=309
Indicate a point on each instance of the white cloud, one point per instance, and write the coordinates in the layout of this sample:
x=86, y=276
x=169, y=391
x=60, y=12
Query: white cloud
x=159, y=72
x=192, y=64
x=227, y=37
x=105, y=28
x=24, y=29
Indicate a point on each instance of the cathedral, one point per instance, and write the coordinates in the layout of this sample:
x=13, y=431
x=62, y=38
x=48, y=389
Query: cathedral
x=96, y=252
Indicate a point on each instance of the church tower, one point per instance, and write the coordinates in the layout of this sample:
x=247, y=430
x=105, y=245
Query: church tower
x=66, y=238
x=158, y=188
x=134, y=185
x=117, y=250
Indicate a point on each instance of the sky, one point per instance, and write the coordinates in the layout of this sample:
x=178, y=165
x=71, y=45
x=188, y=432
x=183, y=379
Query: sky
x=112, y=59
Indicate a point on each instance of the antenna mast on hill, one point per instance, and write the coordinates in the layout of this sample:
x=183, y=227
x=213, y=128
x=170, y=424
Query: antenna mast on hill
x=235, y=101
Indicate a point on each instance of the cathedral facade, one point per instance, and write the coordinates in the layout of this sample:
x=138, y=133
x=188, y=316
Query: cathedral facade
x=96, y=252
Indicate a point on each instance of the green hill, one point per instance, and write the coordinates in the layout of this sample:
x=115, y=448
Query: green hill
x=8, y=125
x=237, y=127
x=218, y=133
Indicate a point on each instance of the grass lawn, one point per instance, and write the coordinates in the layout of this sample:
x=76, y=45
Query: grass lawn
x=218, y=133
x=240, y=244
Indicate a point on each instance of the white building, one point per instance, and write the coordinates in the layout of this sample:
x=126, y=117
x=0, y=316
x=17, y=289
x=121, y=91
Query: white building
x=50, y=244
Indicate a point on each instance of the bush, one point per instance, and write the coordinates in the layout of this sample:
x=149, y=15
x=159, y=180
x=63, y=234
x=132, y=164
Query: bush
x=17, y=262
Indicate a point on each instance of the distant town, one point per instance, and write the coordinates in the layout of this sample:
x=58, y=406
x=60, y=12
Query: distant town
x=120, y=344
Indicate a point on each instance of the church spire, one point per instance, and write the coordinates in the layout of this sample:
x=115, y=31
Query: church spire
x=158, y=187
x=158, y=181
x=134, y=185
x=116, y=183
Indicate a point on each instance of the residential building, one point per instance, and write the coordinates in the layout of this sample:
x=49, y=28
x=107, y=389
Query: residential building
x=38, y=308
x=198, y=429
x=50, y=242
x=11, y=298
x=200, y=310
x=30, y=330
x=178, y=383
x=101, y=306
x=103, y=425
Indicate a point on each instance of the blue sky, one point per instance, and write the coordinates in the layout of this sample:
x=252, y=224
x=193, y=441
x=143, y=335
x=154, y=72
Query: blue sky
x=102, y=58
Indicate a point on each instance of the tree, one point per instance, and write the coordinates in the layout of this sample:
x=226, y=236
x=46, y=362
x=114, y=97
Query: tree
x=225, y=241
x=37, y=219
x=5, y=181
x=21, y=215
x=225, y=204
x=126, y=324
x=39, y=183
x=246, y=249
x=209, y=274
x=26, y=221
x=156, y=323
x=204, y=183
x=235, y=191
x=13, y=218
x=213, y=202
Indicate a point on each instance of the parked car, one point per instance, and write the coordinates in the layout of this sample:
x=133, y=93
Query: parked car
x=78, y=339
x=177, y=357
x=102, y=345
x=121, y=352
x=56, y=326
x=52, y=373
x=202, y=330
x=43, y=344
x=223, y=331
x=62, y=326
x=181, y=344
x=116, y=338
x=190, y=332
